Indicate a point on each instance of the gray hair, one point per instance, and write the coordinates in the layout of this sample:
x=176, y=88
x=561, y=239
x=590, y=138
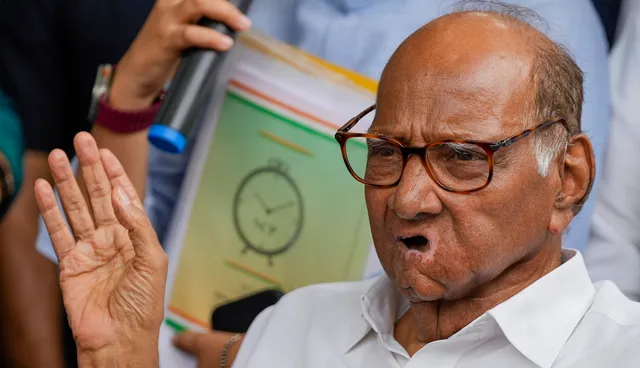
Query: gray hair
x=557, y=78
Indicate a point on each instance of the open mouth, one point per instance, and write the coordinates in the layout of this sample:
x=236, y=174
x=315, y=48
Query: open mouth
x=417, y=242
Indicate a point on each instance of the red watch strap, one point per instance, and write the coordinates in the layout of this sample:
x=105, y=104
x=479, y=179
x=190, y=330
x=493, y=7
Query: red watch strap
x=126, y=121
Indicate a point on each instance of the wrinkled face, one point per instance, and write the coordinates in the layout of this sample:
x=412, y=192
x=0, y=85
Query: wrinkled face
x=440, y=245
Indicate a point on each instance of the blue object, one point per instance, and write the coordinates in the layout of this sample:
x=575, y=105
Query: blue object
x=167, y=138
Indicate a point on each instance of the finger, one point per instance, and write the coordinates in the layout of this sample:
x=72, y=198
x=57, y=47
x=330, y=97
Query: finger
x=95, y=179
x=190, y=35
x=197, y=343
x=118, y=177
x=188, y=342
x=189, y=11
x=72, y=199
x=57, y=227
x=143, y=238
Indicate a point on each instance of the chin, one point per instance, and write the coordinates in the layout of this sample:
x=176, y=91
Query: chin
x=418, y=287
x=415, y=297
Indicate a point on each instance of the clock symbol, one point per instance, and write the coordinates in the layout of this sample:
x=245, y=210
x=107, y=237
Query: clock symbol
x=268, y=210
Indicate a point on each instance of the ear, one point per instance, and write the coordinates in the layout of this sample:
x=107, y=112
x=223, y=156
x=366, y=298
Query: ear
x=576, y=175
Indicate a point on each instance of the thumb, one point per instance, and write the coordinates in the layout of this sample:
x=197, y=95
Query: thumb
x=133, y=218
x=189, y=342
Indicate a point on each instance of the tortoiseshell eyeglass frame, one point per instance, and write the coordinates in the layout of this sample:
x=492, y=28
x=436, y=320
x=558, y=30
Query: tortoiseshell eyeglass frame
x=490, y=148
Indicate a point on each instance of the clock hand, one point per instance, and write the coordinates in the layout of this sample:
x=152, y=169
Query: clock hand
x=262, y=203
x=280, y=207
x=260, y=224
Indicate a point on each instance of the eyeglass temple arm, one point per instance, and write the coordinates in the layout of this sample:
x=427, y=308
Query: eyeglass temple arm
x=509, y=141
x=355, y=120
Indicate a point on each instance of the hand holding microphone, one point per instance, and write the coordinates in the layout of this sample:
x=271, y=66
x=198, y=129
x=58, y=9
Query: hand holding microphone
x=170, y=29
x=187, y=95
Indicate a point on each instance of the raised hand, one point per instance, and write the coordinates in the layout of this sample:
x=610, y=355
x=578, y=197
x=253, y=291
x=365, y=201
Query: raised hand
x=112, y=267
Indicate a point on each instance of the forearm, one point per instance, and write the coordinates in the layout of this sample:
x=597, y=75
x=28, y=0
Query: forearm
x=31, y=307
x=132, y=149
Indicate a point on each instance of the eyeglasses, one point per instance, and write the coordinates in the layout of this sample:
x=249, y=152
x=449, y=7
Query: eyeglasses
x=459, y=166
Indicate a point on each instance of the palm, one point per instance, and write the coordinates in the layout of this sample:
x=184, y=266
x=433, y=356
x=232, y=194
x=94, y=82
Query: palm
x=112, y=273
x=95, y=273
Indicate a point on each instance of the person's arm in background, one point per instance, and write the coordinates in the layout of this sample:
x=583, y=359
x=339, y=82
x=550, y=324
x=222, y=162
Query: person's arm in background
x=575, y=24
x=147, y=66
x=30, y=73
x=131, y=149
x=11, y=151
x=613, y=252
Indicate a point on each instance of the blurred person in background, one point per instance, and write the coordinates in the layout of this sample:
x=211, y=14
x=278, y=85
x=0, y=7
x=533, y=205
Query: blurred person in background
x=11, y=150
x=613, y=252
x=608, y=10
x=352, y=33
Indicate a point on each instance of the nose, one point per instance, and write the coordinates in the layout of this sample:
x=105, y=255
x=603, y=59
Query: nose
x=415, y=198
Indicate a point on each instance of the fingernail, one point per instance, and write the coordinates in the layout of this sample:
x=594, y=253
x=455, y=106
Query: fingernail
x=123, y=197
x=227, y=41
x=245, y=22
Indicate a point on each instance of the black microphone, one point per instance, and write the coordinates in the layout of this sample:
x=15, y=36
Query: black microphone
x=188, y=92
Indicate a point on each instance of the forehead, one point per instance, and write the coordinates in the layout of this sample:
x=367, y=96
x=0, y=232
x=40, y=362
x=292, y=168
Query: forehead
x=447, y=85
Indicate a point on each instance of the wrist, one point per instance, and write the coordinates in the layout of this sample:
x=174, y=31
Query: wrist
x=230, y=350
x=117, y=107
x=129, y=91
x=120, y=356
x=125, y=96
x=233, y=351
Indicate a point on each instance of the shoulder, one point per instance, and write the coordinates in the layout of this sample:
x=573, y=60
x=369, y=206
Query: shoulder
x=611, y=303
x=608, y=334
x=612, y=320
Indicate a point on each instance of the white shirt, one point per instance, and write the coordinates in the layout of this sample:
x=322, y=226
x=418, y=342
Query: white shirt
x=613, y=252
x=559, y=321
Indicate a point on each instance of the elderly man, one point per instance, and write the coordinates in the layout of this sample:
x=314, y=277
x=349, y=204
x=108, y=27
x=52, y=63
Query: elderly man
x=476, y=165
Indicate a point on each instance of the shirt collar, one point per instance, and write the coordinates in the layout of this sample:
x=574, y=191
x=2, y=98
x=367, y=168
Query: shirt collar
x=381, y=304
x=553, y=306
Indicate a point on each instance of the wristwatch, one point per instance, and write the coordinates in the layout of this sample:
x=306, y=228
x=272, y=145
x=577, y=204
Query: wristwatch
x=100, y=88
x=120, y=121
